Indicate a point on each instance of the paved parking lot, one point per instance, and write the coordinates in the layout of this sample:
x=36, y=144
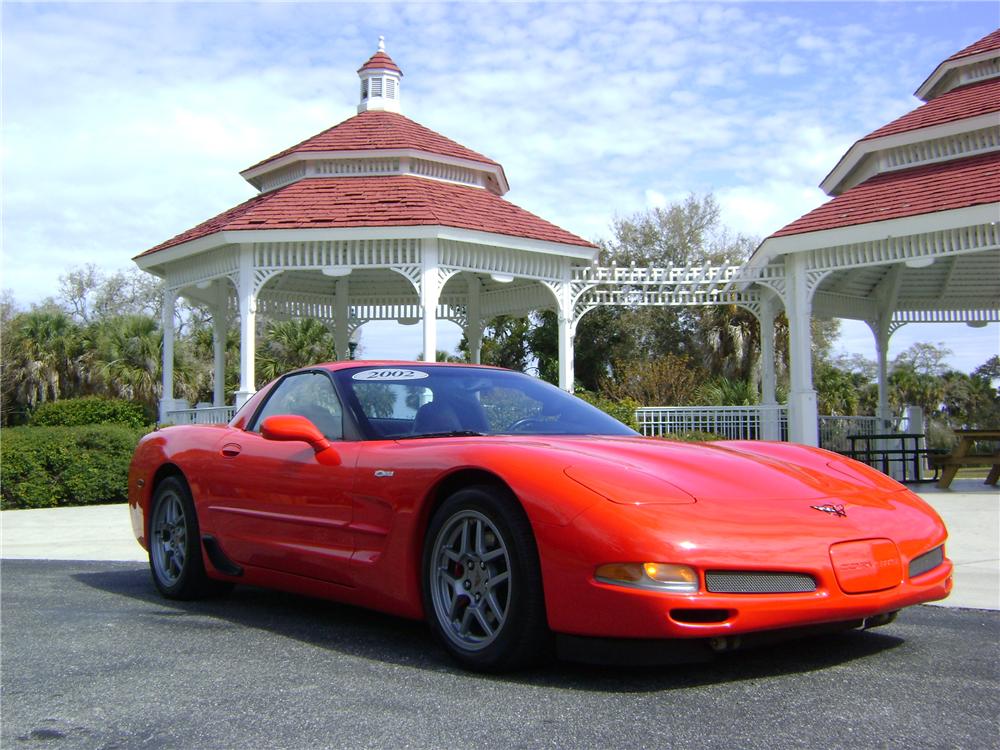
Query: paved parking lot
x=93, y=658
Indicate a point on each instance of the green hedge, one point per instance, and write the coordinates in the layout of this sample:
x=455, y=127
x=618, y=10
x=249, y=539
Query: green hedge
x=623, y=411
x=72, y=412
x=42, y=467
x=693, y=436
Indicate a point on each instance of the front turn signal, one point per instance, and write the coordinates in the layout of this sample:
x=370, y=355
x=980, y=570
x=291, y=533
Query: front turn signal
x=680, y=579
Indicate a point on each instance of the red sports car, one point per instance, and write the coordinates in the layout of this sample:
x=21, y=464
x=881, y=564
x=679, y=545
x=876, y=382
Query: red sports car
x=506, y=512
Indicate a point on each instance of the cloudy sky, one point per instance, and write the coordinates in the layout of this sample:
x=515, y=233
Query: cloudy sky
x=124, y=124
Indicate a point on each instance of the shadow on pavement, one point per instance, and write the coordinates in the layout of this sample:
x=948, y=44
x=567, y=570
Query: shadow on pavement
x=361, y=633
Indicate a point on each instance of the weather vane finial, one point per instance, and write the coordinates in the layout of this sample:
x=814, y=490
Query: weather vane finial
x=381, y=44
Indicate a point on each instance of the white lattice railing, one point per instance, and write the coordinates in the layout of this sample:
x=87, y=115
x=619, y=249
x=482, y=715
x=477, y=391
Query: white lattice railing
x=204, y=415
x=730, y=422
x=755, y=423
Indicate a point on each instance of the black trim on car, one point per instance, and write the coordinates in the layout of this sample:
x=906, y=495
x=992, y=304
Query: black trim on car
x=220, y=561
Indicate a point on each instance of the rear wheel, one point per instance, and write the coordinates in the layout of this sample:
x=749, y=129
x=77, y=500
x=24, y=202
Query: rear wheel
x=482, y=586
x=175, y=544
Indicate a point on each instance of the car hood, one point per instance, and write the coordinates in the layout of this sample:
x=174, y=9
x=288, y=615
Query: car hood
x=629, y=470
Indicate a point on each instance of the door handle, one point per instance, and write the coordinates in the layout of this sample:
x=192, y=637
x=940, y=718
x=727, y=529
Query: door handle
x=231, y=450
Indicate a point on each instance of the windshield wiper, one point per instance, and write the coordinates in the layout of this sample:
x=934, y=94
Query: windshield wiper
x=450, y=433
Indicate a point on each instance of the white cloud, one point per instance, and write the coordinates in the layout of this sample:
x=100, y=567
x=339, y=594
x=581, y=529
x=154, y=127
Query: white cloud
x=765, y=208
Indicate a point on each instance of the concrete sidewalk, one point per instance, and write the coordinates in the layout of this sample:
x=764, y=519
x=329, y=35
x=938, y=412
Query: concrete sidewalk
x=970, y=509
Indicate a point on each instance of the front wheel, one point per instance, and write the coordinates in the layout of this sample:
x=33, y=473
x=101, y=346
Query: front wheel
x=175, y=544
x=482, y=586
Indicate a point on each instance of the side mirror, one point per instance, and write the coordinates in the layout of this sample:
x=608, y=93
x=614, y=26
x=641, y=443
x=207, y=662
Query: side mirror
x=292, y=427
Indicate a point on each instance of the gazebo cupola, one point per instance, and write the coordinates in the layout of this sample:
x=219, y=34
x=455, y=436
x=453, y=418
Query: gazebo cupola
x=380, y=82
x=378, y=141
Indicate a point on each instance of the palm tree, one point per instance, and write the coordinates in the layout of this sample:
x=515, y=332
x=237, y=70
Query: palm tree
x=724, y=391
x=127, y=356
x=43, y=359
x=289, y=344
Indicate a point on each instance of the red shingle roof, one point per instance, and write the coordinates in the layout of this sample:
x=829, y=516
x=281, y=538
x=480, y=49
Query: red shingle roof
x=948, y=185
x=987, y=43
x=958, y=104
x=399, y=200
x=377, y=130
x=380, y=61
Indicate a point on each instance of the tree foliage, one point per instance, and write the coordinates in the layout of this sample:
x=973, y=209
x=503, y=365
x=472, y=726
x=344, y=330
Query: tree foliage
x=666, y=381
x=101, y=336
x=289, y=344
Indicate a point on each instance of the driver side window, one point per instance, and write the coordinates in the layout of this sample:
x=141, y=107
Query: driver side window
x=309, y=395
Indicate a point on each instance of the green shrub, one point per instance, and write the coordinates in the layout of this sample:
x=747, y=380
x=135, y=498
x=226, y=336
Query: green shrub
x=623, y=411
x=72, y=412
x=42, y=467
x=693, y=436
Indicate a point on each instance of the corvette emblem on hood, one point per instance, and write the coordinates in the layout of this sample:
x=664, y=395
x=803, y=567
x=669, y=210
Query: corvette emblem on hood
x=834, y=510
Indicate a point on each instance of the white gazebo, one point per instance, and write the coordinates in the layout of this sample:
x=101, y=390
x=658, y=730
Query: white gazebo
x=380, y=218
x=377, y=218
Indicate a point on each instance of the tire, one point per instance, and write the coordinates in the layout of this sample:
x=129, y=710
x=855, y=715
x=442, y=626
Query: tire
x=175, y=558
x=482, y=586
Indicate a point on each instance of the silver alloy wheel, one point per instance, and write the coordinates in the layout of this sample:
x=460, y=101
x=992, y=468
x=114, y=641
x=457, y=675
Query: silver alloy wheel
x=168, y=538
x=470, y=580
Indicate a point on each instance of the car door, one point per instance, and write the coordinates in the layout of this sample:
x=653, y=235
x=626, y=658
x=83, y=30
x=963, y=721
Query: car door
x=276, y=505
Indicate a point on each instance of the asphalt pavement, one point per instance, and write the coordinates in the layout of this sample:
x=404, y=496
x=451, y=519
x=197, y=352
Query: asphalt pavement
x=93, y=658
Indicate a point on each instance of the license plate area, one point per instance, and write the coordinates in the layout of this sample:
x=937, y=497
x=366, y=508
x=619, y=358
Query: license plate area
x=866, y=565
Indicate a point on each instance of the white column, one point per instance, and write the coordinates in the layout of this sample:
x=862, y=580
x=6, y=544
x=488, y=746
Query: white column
x=566, y=374
x=341, y=319
x=803, y=418
x=770, y=426
x=886, y=294
x=248, y=320
x=880, y=328
x=167, y=402
x=474, y=321
x=429, y=292
x=220, y=329
x=567, y=330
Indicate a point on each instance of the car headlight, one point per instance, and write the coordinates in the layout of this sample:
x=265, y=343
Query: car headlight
x=679, y=579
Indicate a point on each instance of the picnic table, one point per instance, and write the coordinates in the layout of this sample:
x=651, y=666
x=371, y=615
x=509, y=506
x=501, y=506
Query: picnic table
x=961, y=455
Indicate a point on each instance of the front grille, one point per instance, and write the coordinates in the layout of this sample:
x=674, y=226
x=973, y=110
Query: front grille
x=926, y=562
x=757, y=582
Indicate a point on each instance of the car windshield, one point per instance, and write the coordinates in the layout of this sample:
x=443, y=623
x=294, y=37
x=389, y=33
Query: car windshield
x=413, y=401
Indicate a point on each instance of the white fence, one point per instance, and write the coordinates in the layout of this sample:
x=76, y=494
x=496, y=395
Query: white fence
x=201, y=415
x=731, y=422
x=755, y=423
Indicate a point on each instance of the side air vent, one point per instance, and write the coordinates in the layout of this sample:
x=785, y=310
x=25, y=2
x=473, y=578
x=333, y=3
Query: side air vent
x=757, y=582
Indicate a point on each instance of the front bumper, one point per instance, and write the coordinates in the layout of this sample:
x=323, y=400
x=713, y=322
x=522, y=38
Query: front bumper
x=579, y=605
x=618, y=612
